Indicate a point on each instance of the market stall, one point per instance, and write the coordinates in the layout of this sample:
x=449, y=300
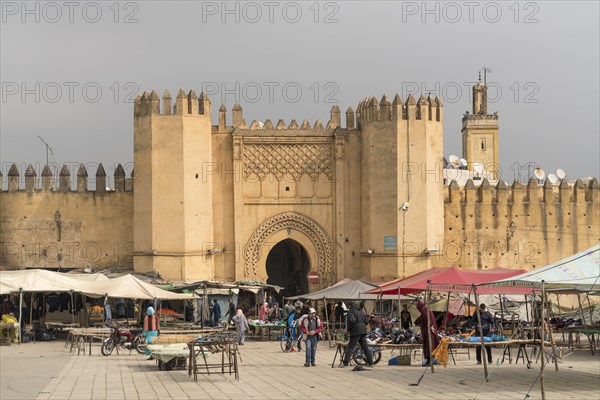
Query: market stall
x=72, y=285
x=350, y=290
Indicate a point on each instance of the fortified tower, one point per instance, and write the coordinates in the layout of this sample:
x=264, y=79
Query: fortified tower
x=173, y=210
x=480, y=133
x=402, y=190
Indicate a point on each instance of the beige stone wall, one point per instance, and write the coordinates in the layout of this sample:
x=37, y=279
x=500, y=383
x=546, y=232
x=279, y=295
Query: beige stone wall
x=173, y=207
x=96, y=229
x=402, y=153
x=550, y=223
x=211, y=201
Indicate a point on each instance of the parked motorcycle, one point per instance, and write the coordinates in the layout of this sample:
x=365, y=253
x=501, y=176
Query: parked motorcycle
x=127, y=339
x=358, y=355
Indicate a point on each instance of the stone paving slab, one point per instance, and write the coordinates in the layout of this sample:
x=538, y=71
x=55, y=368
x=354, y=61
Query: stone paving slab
x=268, y=373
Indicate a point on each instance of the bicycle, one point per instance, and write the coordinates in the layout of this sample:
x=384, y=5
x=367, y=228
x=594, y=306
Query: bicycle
x=289, y=343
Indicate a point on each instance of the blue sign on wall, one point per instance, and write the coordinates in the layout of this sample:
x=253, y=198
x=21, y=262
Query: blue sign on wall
x=389, y=243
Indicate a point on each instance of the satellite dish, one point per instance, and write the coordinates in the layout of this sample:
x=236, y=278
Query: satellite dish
x=561, y=174
x=261, y=124
x=463, y=163
x=455, y=161
x=539, y=173
x=478, y=167
x=553, y=179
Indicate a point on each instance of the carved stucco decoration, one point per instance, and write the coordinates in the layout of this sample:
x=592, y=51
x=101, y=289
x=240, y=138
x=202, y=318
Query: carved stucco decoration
x=310, y=228
x=293, y=160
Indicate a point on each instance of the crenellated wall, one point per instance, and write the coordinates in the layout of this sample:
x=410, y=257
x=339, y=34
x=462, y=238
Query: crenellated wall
x=518, y=226
x=211, y=201
x=50, y=224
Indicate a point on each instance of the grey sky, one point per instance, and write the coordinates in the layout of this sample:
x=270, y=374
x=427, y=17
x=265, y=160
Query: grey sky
x=544, y=58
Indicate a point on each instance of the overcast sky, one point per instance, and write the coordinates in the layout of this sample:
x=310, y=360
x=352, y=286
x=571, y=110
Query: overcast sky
x=69, y=70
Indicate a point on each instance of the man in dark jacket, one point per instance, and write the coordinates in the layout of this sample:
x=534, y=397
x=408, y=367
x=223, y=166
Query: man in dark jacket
x=488, y=325
x=357, y=329
x=216, y=311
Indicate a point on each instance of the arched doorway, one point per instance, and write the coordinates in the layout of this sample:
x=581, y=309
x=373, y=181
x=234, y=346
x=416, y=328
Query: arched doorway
x=287, y=266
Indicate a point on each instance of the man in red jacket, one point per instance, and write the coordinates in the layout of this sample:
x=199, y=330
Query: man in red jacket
x=311, y=326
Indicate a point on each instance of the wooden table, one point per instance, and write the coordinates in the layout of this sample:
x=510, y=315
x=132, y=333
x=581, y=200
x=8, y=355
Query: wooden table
x=224, y=344
x=589, y=330
x=266, y=330
x=403, y=349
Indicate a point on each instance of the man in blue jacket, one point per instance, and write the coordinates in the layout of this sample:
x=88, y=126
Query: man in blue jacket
x=488, y=325
x=216, y=312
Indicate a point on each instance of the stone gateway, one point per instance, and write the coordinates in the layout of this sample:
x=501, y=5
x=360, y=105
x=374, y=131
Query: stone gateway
x=278, y=201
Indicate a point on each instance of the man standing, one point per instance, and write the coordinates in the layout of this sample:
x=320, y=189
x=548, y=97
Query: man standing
x=216, y=310
x=428, y=331
x=488, y=325
x=311, y=326
x=276, y=313
x=357, y=329
x=405, y=318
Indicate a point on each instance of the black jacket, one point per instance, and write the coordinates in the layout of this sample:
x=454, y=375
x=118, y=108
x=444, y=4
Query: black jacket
x=488, y=322
x=357, y=320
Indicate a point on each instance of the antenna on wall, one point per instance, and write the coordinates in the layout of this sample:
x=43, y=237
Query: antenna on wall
x=485, y=71
x=48, y=148
x=561, y=174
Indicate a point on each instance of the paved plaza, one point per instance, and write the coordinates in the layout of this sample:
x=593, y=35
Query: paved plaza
x=46, y=370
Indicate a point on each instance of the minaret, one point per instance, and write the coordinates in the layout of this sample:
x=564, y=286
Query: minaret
x=480, y=131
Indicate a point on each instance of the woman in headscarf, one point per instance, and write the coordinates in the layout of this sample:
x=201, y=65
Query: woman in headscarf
x=263, y=312
x=151, y=325
x=241, y=325
x=428, y=331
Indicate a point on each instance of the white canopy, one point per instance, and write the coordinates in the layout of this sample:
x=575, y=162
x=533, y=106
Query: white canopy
x=348, y=290
x=131, y=287
x=6, y=288
x=37, y=280
x=580, y=272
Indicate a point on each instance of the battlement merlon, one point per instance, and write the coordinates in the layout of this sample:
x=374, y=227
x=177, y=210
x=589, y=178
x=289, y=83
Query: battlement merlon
x=55, y=181
x=372, y=110
x=148, y=104
x=369, y=110
x=580, y=191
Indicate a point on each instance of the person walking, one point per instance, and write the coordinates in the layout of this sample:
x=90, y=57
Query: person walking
x=216, y=310
x=311, y=326
x=356, y=326
x=405, y=318
x=230, y=311
x=428, y=331
x=488, y=325
x=241, y=325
